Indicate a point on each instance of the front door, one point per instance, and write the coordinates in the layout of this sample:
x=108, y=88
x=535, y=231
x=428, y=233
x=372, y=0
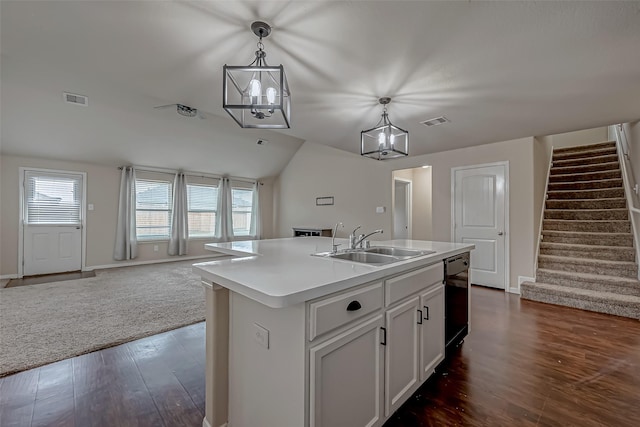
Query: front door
x=479, y=218
x=52, y=218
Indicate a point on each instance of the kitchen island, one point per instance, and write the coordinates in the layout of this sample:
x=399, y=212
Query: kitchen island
x=299, y=340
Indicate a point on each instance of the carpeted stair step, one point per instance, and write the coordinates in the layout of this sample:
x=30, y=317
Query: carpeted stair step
x=587, y=147
x=600, y=167
x=587, y=176
x=587, y=152
x=586, y=160
x=584, y=299
x=580, y=238
x=613, y=203
x=587, y=214
x=610, y=253
x=616, y=226
x=594, y=282
x=593, y=266
x=585, y=185
x=607, y=193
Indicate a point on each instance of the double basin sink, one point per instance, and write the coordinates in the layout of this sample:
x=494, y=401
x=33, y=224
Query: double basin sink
x=377, y=255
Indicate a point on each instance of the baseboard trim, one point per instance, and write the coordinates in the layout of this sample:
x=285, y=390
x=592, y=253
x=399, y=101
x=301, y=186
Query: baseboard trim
x=155, y=261
x=8, y=276
x=521, y=279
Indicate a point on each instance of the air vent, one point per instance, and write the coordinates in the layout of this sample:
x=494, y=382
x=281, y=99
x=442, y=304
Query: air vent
x=75, y=99
x=436, y=121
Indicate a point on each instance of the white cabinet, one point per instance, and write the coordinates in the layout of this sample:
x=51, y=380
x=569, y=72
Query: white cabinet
x=345, y=378
x=402, y=353
x=431, y=330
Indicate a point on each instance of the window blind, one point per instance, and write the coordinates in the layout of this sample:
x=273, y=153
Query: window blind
x=153, y=209
x=202, y=202
x=53, y=198
x=242, y=209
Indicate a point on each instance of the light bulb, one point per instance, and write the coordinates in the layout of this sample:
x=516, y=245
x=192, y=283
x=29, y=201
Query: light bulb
x=391, y=138
x=255, y=90
x=381, y=139
x=271, y=95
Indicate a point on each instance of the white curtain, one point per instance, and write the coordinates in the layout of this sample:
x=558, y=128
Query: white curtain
x=255, y=228
x=179, y=217
x=126, y=246
x=224, y=225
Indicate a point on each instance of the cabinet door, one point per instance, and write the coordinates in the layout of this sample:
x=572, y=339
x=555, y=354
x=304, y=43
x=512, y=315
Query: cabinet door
x=346, y=378
x=432, y=330
x=401, y=354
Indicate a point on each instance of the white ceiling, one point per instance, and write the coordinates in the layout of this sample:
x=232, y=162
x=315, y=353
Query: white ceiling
x=497, y=70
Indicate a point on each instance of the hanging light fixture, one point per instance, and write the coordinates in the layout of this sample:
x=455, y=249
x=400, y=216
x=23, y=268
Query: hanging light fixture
x=385, y=140
x=257, y=95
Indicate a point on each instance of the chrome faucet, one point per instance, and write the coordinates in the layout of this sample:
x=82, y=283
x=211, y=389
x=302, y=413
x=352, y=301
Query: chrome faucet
x=334, y=247
x=352, y=237
x=362, y=238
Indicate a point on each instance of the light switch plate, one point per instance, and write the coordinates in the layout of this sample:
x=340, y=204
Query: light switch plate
x=380, y=209
x=261, y=335
x=90, y=206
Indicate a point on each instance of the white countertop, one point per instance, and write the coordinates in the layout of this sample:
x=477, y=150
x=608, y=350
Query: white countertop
x=282, y=272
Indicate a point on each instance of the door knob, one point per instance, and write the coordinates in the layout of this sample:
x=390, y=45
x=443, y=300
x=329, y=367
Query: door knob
x=500, y=233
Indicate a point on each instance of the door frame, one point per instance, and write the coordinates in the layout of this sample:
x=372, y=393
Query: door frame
x=507, y=234
x=409, y=203
x=83, y=215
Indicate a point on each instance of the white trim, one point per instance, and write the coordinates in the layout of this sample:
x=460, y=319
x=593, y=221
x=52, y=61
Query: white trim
x=8, y=276
x=154, y=261
x=521, y=279
x=83, y=215
x=507, y=221
x=544, y=204
x=205, y=423
x=409, y=207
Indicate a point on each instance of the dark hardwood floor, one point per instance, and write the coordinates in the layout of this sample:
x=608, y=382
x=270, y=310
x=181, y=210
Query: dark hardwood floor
x=524, y=364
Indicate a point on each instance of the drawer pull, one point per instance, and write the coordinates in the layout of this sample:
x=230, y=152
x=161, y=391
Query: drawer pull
x=354, y=306
x=420, y=317
x=427, y=309
x=384, y=335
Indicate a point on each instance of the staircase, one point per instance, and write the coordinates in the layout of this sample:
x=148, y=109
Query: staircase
x=586, y=258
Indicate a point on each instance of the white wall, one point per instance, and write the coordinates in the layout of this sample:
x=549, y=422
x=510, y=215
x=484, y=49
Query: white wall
x=103, y=184
x=420, y=200
x=357, y=184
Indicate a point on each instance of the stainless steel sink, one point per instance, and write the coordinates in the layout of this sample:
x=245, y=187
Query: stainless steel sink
x=365, y=257
x=397, y=252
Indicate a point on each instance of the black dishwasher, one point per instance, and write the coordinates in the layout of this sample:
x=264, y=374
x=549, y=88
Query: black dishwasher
x=456, y=311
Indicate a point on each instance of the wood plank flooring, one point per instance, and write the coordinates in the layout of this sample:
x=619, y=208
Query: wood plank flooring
x=524, y=364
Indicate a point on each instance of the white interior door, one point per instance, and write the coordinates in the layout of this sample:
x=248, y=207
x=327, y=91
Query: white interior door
x=479, y=218
x=401, y=209
x=52, y=218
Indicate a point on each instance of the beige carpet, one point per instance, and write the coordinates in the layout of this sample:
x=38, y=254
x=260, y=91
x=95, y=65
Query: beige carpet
x=44, y=323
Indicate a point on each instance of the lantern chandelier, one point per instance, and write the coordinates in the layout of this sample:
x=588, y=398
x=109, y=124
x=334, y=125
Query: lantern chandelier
x=257, y=95
x=385, y=140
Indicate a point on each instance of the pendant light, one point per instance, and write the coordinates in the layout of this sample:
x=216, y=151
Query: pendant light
x=257, y=95
x=385, y=140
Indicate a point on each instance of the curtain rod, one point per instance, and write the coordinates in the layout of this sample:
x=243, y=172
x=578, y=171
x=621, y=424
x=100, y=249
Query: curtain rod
x=190, y=173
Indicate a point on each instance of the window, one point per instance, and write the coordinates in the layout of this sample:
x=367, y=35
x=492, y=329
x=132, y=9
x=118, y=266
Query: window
x=241, y=210
x=53, y=198
x=202, y=201
x=153, y=209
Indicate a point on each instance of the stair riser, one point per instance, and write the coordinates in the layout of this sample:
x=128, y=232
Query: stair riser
x=584, y=169
x=584, y=153
x=589, y=147
x=630, y=271
x=585, y=185
x=632, y=311
x=592, y=227
x=586, y=204
x=585, y=161
x=592, y=176
x=612, y=193
x=589, y=285
x=598, y=253
x=586, y=215
x=604, y=240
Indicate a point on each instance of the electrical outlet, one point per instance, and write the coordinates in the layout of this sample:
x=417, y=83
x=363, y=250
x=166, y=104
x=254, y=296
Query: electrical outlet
x=261, y=335
x=90, y=206
x=155, y=248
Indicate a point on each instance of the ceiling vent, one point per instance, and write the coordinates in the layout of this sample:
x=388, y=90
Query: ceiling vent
x=75, y=99
x=436, y=121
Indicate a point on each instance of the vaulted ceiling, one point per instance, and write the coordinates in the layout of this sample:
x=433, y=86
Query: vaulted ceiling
x=497, y=70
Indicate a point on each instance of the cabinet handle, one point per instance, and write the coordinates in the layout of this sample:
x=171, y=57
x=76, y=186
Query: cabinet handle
x=384, y=335
x=427, y=309
x=354, y=306
x=420, y=317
